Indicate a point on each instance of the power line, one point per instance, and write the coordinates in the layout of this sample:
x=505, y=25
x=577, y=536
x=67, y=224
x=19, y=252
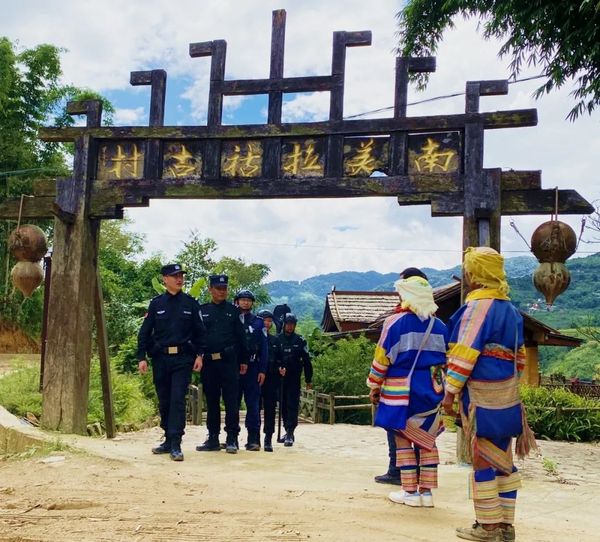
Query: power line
x=346, y=247
x=435, y=98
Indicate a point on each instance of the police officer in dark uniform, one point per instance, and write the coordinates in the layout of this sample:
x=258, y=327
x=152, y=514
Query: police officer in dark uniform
x=173, y=334
x=226, y=358
x=250, y=383
x=295, y=358
x=272, y=386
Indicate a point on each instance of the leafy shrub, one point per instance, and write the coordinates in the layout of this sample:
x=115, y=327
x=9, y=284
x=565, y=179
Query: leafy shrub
x=20, y=390
x=130, y=404
x=342, y=368
x=580, y=426
x=19, y=394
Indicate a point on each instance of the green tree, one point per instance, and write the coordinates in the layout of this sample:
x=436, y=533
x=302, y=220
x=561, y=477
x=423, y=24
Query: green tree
x=196, y=256
x=582, y=362
x=244, y=275
x=31, y=96
x=562, y=38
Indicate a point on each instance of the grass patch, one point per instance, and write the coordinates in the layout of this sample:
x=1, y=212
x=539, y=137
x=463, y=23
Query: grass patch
x=19, y=394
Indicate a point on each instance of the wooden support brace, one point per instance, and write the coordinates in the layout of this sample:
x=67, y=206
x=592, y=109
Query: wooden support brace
x=104, y=357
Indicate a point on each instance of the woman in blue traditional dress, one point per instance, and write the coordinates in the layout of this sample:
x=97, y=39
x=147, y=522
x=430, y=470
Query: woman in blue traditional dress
x=485, y=357
x=406, y=383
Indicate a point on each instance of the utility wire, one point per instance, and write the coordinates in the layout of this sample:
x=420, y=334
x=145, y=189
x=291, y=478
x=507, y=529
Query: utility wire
x=435, y=98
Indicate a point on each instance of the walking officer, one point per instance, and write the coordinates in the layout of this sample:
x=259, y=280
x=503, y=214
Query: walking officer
x=173, y=334
x=272, y=386
x=226, y=358
x=250, y=383
x=295, y=358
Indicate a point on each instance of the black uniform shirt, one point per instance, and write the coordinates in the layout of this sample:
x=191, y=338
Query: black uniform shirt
x=275, y=358
x=224, y=329
x=295, y=355
x=172, y=320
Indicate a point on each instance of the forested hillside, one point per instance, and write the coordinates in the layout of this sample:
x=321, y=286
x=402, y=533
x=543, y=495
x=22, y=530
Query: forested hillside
x=307, y=298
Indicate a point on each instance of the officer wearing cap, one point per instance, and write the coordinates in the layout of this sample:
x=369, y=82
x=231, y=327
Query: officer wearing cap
x=250, y=383
x=295, y=358
x=226, y=358
x=173, y=334
x=271, y=388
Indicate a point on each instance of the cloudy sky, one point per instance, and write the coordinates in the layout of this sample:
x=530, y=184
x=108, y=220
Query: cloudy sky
x=105, y=41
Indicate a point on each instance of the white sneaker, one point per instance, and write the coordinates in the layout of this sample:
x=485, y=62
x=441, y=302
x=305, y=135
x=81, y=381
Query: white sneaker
x=409, y=499
x=427, y=500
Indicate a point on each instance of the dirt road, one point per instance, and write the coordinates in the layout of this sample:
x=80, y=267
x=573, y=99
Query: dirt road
x=321, y=489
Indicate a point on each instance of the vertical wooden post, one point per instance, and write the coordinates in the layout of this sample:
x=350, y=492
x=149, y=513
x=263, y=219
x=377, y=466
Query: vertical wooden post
x=332, y=408
x=44, y=339
x=531, y=374
x=104, y=357
x=71, y=301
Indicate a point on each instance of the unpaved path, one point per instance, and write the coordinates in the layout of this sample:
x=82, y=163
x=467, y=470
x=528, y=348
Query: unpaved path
x=321, y=489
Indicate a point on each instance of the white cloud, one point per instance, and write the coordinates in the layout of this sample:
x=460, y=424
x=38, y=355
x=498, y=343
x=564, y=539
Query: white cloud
x=129, y=117
x=105, y=45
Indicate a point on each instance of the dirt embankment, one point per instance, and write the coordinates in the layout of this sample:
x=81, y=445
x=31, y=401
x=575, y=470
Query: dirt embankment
x=14, y=341
x=321, y=489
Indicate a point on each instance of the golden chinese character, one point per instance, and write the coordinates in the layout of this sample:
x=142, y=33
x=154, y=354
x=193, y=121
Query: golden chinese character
x=431, y=159
x=302, y=160
x=124, y=165
x=363, y=161
x=184, y=163
x=242, y=165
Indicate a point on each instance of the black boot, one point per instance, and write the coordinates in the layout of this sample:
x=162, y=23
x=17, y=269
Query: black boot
x=211, y=444
x=176, y=453
x=231, y=446
x=253, y=441
x=289, y=439
x=163, y=448
x=268, y=443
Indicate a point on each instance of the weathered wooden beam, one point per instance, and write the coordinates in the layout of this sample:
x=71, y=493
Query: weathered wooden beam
x=91, y=108
x=37, y=207
x=217, y=50
x=157, y=79
x=276, y=65
x=513, y=202
x=316, y=83
x=440, y=123
x=521, y=180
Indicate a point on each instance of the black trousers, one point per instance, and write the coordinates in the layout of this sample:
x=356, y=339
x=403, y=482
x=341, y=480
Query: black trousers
x=270, y=396
x=172, y=376
x=221, y=378
x=291, y=401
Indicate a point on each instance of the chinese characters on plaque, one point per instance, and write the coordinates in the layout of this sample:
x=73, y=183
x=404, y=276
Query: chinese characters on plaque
x=429, y=153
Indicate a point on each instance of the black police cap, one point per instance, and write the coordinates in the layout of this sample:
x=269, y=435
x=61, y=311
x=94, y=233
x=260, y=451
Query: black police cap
x=171, y=269
x=245, y=294
x=265, y=314
x=412, y=272
x=290, y=317
x=218, y=280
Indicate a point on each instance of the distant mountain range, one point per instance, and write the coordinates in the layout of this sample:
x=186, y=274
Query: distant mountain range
x=307, y=297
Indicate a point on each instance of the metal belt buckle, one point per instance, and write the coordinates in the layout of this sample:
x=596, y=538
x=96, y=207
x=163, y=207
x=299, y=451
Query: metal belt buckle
x=172, y=350
x=216, y=356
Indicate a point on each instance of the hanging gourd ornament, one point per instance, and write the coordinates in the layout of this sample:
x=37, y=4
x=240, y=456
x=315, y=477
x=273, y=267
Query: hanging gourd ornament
x=552, y=243
x=27, y=276
x=552, y=279
x=27, y=243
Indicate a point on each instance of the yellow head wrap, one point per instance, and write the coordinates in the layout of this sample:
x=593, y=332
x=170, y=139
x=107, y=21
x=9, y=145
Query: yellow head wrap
x=485, y=266
x=416, y=295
